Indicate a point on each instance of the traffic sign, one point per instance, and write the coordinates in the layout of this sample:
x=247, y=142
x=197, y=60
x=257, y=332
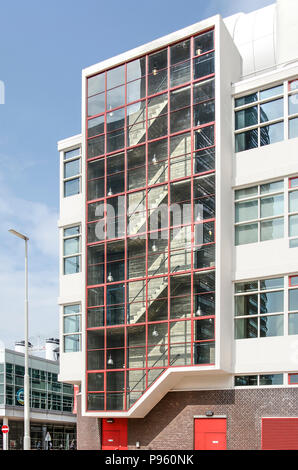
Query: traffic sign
x=5, y=429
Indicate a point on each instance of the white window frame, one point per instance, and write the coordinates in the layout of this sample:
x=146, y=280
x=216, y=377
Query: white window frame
x=74, y=177
x=78, y=254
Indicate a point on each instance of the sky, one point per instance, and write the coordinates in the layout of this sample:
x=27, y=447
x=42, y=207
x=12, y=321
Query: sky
x=43, y=48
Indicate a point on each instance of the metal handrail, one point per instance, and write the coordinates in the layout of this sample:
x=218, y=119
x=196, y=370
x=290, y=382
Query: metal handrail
x=171, y=363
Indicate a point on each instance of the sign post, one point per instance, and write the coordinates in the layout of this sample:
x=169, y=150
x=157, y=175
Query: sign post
x=5, y=431
x=48, y=439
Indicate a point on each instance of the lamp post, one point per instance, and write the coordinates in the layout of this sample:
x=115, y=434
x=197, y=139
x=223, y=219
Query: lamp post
x=27, y=440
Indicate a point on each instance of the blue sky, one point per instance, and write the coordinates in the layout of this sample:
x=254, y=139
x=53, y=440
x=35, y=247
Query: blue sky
x=43, y=47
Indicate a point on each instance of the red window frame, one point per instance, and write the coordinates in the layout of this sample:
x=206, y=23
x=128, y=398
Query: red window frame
x=191, y=178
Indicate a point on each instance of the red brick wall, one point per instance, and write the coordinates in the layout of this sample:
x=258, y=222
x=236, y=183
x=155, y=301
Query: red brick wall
x=88, y=430
x=170, y=425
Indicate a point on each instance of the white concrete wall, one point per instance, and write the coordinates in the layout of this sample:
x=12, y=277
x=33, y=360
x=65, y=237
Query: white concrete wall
x=70, y=286
x=269, y=258
x=286, y=26
x=228, y=70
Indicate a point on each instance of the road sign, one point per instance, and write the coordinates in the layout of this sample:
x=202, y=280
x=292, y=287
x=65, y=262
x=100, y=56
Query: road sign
x=5, y=429
x=48, y=437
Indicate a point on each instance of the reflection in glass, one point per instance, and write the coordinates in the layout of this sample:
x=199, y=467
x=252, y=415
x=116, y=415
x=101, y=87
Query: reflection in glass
x=271, y=326
x=272, y=133
x=272, y=229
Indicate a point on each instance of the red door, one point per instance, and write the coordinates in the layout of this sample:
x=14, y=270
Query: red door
x=279, y=433
x=114, y=434
x=210, y=433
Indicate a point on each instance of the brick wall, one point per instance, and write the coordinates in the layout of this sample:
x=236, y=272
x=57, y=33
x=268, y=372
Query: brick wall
x=88, y=430
x=170, y=424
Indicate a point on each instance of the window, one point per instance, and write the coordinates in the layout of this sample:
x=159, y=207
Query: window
x=259, y=213
x=293, y=108
x=259, y=118
x=293, y=305
x=72, y=328
x=72, y=250
x=259, y=308
x=293, y=379
x=72, y=172
x=261, y=380
x=293, y=211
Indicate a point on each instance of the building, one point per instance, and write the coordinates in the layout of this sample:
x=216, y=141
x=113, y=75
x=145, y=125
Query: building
x=51, y=402
x=179, y=240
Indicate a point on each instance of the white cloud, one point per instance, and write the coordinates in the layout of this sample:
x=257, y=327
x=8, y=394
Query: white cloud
x=39, y=222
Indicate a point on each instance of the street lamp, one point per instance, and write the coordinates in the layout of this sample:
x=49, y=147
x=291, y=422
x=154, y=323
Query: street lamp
x=27, y=441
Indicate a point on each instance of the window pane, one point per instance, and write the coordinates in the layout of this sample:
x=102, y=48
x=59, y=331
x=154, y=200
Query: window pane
x=272, y=283
x=71, y=246
x=72, y=265
x=96, y=84
x=68, y=232
x=246, y=305
x=72, y=187
x=246, y=140
x=68, y=309
x=96, y=382
x=96, y=146
x=180, y=52
x=293, y=299
x=274, y=91
x=247, y=233
x=72, y=324
x=272, y=229
x=271, y=206
x=136, y=69
x=115, y=77
x=293, y=324
x=180, y=73
x=274, y=379
x=293, y=128
x=246, y=286
x=272, y=187
x=246, y=192
x=246, y=328
x=271, y=326
x=203, y=43
x=246, y=99
x=293, y=104
x=204, y=160
x=272, y=110
x=72, y=153
x=293, y=378
x=96, y=104
x=72, y=343
x=246, y=117
x=246, y=380
x=96, y=126
x=246, y=210
x=116, y=97
x=204, y=137
x=271, y=302
x=204, y=65
x=293, y=225
x=272, y=134
x=293, y=201
x=204, y=353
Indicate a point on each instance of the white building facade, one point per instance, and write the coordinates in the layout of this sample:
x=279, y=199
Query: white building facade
x=189, y=326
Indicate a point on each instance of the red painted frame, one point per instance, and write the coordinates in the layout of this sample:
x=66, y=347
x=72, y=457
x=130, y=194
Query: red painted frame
x=191, y=178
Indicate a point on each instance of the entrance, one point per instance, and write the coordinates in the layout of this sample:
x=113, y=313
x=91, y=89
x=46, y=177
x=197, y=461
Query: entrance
x=210, y=433
x=114, y=434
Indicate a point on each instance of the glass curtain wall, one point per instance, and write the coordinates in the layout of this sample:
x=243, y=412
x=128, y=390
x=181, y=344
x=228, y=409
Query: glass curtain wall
x=151, y=220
